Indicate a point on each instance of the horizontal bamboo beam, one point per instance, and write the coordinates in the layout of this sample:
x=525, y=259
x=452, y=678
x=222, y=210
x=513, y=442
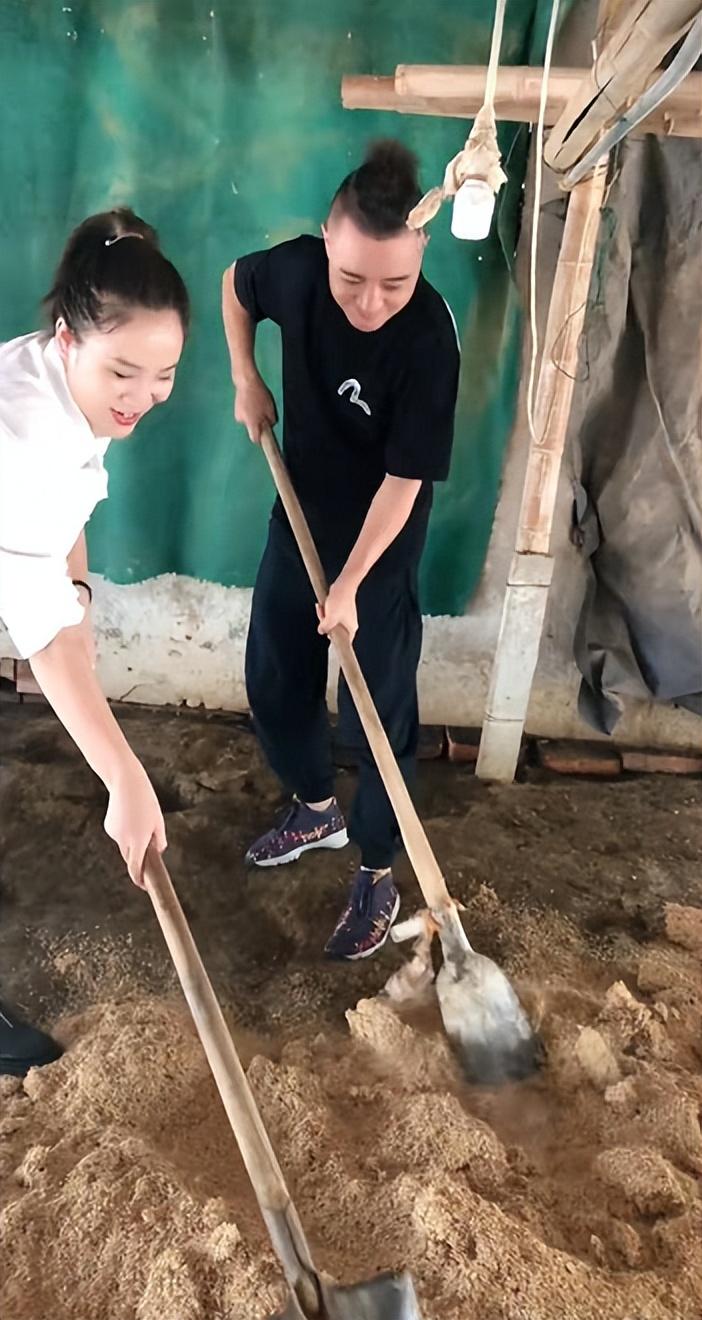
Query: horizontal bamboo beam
x=456, y=92
x=515, y=83
x=367, y=92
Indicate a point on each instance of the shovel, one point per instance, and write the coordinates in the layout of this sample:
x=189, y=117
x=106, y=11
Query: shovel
x=312, y=1297
x=482, y=1015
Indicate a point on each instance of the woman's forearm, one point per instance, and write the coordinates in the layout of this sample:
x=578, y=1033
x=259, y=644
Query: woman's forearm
x=64, y=673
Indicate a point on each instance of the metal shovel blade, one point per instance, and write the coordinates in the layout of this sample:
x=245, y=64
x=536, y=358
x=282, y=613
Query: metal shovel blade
x=482, y=1014
x=387, y=1297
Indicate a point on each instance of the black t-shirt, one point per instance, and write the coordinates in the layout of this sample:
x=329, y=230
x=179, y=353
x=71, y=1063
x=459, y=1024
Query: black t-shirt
x=356, y=405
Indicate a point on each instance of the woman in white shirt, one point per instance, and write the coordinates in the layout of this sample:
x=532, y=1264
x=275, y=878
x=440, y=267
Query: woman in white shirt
x=119, y=314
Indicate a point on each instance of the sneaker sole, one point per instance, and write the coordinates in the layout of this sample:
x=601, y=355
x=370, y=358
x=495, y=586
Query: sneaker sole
x=334, y=841
x=368, y=953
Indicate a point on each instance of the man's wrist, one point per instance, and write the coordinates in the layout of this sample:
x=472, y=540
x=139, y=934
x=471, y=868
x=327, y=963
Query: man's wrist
x=349, y=580
x=245, y=375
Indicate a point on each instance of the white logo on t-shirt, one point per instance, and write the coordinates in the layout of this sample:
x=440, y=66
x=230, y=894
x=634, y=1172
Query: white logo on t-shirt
x=355, y=388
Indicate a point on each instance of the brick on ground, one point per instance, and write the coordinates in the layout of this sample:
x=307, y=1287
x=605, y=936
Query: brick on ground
x=579, y=758
x=662, y=763
x=463, y=744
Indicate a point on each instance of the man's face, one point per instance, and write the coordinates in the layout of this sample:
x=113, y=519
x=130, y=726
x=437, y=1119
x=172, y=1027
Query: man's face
x=371, y=279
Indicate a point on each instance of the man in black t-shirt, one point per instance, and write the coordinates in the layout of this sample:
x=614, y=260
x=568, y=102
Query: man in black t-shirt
x=370, y=375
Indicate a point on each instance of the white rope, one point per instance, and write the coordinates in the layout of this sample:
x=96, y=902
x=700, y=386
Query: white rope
x=481, y=148
x=495, y=48
x=538, y=185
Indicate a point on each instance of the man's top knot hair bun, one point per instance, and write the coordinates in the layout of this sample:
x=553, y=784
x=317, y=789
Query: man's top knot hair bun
x=379, y=195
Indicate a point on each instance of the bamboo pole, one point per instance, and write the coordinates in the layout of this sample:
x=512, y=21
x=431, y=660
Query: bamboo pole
x=627, y=64
x=515, y=83
x=559, y=365
x=529, y=579
x=531, y=570
x=367, y=92
x=456, y=92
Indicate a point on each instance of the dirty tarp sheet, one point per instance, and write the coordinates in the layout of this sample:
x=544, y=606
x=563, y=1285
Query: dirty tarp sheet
x=637, y=440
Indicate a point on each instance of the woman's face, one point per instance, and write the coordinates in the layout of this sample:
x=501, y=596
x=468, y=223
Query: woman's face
x=116, y=376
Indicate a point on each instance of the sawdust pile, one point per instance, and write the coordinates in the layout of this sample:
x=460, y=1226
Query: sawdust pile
x=577, y=1195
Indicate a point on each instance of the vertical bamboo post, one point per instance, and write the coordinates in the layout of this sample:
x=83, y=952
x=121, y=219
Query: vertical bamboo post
x=531, y=570
x=559, y=365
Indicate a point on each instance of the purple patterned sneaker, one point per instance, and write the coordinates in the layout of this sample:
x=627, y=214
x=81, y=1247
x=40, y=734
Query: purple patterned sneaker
x=301, y=830
x=365, y=922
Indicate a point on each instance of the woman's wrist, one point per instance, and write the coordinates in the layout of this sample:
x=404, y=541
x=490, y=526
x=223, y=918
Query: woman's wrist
x=83, y=587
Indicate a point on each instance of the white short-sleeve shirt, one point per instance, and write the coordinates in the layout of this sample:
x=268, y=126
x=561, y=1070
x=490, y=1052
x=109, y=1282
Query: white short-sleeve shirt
x=51, y=477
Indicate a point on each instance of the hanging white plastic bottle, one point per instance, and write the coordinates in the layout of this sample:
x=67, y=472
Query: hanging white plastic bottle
x=473, y=208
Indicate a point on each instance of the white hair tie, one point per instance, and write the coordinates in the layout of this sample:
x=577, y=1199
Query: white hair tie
x=129, y=234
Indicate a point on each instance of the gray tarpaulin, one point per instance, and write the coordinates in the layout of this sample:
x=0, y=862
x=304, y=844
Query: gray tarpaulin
x=636, y=439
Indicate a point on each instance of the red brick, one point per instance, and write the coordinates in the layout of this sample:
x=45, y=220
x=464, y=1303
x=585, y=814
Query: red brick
x=662, y=763
x=579, y=758
x=463, y=745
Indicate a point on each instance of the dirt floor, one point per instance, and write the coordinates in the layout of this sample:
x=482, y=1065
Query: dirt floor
x=575, y=1195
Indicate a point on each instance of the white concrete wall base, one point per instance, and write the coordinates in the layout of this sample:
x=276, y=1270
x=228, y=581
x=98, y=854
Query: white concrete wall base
x=174, y=640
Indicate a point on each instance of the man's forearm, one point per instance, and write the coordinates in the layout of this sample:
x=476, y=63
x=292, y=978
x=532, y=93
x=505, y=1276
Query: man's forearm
x=387, y=515
x=240, y=331
x=64, y=674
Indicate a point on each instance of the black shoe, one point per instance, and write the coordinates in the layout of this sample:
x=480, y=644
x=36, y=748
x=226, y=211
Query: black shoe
x=365, y=922
x=23, y=1047
x=300, y=830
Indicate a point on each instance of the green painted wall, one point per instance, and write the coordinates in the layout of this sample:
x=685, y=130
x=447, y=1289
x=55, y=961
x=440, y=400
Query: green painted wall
x=221, y=123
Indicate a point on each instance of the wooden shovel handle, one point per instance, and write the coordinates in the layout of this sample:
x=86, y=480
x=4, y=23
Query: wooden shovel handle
x=247, y=1125
x=418, y=848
